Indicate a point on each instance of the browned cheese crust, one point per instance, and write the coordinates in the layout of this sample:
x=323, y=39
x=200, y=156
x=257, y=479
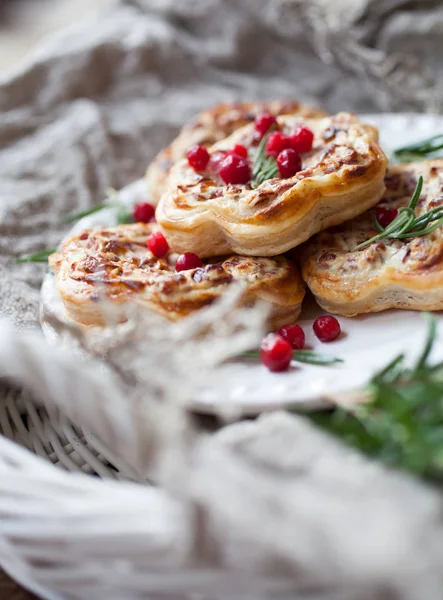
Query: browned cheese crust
x=115, y=265
x=404, y=274
x=214, y=124
x=341, y=177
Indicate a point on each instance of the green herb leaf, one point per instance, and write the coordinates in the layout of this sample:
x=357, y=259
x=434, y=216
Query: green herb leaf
x=113, y=201
x=406, y=225
x=85, y=213
x=41, y=256
x=401, y=425
x=420, y=149
x=304, y=356
x=265, y=167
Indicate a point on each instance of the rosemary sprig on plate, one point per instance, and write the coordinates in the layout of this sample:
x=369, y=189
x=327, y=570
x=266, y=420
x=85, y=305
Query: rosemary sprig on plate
x=265, y=167
x=113, y=201
x=420, y=150
x=41, y=256
x=304, y=356
x=406, y=224
x=401, y=424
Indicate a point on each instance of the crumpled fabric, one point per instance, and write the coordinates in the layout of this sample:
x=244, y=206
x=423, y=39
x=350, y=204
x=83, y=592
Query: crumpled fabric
x=90, y=110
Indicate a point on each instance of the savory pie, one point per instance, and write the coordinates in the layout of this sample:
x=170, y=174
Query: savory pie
x=213, y=125
x=114, y=264
x=388, y=273
x=340, y=178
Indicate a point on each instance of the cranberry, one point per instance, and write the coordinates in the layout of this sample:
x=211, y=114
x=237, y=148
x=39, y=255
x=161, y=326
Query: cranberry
x=198, y=157
x=215, y=160
x=240, y=150
x=143, y=212
x=302, y=139
x=264, y=122
x=385, y=216
x=188, y=261
x=288, y=162
x=234, y=169
x=275, y=353
x=276, y=142
x=294, y=335
x=326, y=328
x=158, y=244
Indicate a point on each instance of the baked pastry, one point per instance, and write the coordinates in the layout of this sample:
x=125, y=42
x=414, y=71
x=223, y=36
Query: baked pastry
x=213, y=125
x=388, y=273
x=341, y=177
x=115, y=264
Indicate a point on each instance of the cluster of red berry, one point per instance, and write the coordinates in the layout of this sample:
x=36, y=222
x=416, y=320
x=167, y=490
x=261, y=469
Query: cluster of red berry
x=232, y=166
x=144, y=212
x=277, y=348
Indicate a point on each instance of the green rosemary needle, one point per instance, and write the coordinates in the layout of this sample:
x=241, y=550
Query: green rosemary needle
x=406, y=224
x=123, y=215
x=401, y=424
x=304, y=356
x=265, y=167
x=420, y=149
x=41, y=256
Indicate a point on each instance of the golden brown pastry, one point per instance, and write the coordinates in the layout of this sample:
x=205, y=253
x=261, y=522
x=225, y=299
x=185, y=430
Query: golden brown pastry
x=341, y=177
x=115, y=264
x=389, y=273
x=213, y=125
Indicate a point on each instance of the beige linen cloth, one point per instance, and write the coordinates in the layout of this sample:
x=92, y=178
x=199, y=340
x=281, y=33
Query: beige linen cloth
x=91, y=108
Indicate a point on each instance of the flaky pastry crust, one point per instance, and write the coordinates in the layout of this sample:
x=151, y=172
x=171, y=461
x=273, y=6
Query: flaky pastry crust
x=114, y=264
x=342, y=177
x=406, y=274
x=211, y=126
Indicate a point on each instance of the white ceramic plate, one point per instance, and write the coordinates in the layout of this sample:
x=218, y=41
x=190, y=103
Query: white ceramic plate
x=367, y=344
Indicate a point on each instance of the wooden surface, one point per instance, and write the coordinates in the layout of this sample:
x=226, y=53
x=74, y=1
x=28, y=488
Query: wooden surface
x=9, y=590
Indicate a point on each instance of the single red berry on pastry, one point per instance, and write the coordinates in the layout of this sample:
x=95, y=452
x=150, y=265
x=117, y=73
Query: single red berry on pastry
x=276, y=142
x=289, y=163
x=158, y=244
x=234, y=169
x=215, y=160
x=385, y=216
x=264, y=122
x=198, y=157
x=327, y=328
x=275, y=352
x=143, y=212
x=294, y=335
x=240, y=150
x=302, y=139
x=187, y=261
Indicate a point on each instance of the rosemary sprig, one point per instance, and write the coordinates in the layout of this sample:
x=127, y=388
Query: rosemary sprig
x=113, y=201
x=406, y=224
x=265, y=167
x=420, y=149
x=304, y=356
x=41, y=256
x=401, y=425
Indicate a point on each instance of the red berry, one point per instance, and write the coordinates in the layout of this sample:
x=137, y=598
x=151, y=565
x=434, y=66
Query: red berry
x=234, y=169
x=326, y=328
x=276, y=142
x=143, y=212
x=302, y=139
x=385, y=215
x=198, y=157
x=294, y=335
x=289, y=163
x=158, y=244
x=240, y=150
x=264, y=122
x=188, y=261
x=275, y=352
x=215, y=160
x=153, y=220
